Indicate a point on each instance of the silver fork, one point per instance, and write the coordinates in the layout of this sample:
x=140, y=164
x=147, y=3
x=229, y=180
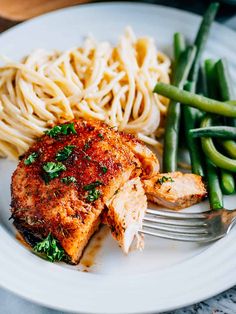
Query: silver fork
x=190, y=227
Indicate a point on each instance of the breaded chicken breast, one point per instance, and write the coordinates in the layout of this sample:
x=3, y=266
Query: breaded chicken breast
x=64, y=181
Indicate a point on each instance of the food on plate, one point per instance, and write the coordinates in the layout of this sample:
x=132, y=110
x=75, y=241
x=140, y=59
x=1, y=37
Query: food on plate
x=175, y=190
x=125, y=214
x=63, y=190
x=98, y=106
x=187, y=64
x=79, y=174
x=95, y=80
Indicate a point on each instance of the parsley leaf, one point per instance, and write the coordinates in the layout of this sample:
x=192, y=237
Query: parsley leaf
x=64, y=129
x=64, y=153
x=68, y=180
x=87, y=157
x=101, y=136
x=31, y=158
x=87, y=145
x=68, y=128
x=92, y=185
x=104, y=169
x=93, y=195
x=56, y=130
x=164, y=179
x=52, y=170
x=50, y=248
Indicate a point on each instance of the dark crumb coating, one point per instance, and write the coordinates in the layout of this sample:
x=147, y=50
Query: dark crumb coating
x=64, y=209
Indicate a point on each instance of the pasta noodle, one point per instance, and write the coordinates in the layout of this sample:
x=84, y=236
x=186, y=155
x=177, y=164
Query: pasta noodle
x=96, y=80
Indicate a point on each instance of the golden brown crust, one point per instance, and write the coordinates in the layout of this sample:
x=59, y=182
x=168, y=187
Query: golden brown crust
x=64, y=209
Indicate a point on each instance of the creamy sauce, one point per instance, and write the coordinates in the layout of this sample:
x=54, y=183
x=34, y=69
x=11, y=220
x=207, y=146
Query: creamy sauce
x=22, y=240
x=89, y=257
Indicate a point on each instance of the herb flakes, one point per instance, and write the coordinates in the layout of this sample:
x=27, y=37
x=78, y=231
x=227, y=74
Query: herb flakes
x=93, y=193
x=104, y=169
x=68, y=180
x=50, y=249
x=52, y=170
x=64, y=129
x=31, y=158
x=64, y=153
x=87, y=145
x=164, y=179
x=92, y=185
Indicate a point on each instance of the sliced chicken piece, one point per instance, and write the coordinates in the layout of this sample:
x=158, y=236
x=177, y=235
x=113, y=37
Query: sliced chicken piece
x=125, y=214
x=175, y=190
x=148, y=160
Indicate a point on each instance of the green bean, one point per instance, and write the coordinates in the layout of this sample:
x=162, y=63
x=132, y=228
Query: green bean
x=227, y=182
x=227, y=93
x=196, y=101
x=214, y=191
x=213, y=154
x=179, y=45
x=201, y=38
x=227, y=179
x=173, y=113
x=229, y=147
x=213, y=186
x=211, y=78
x=226, y=89
x=190, y=114
x=190, y=119
x=214, y=131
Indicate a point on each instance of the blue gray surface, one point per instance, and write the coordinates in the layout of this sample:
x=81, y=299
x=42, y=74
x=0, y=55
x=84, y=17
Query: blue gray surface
x=224, y=303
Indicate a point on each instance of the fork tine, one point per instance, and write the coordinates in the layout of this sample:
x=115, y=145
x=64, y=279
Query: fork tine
x=176, y=215
x=178, y=237
x=175, y=222
x=180, y=230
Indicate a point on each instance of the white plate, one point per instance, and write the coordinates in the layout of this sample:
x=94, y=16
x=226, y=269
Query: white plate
x=166, y=275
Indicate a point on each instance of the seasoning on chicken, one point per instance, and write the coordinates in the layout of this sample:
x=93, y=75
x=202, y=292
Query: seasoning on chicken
x=149, y=161
x=62, y=184
x=125, y=214
x=175, y=190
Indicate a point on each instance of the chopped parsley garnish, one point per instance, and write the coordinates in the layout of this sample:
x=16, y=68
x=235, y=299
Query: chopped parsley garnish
x=87, y=145
x=64, y=153
x=50, y=249
x=87, y=157
x=104, y=169
x=52, y=170
x=31, y=158
x=93, y=193
x=68, y=180
x=101, y=136
x=92, y=185
x=64, y=129
x=164, y=179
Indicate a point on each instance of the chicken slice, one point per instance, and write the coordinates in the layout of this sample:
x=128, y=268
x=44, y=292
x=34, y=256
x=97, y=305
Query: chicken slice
x=148, y=160
x=175, y=190
x=125, y=214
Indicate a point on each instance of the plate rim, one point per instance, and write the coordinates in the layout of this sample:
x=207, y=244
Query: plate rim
x=78, y=7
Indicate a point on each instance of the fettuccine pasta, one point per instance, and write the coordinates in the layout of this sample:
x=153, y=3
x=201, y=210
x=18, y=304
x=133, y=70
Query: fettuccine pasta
x=96, y=80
